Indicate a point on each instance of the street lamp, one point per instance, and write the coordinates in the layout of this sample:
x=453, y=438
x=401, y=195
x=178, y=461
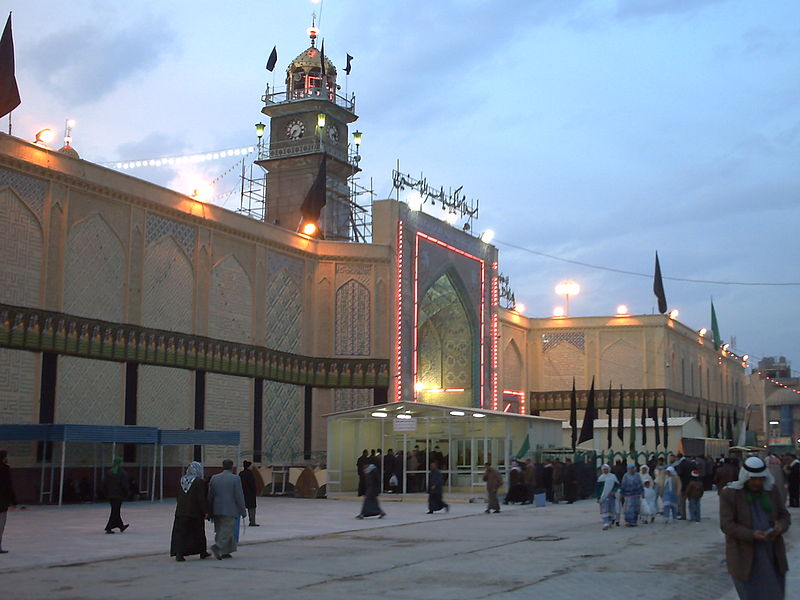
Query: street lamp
x=567, y=289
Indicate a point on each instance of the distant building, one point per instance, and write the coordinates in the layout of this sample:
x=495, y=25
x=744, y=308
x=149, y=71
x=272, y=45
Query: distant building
x=775, y=395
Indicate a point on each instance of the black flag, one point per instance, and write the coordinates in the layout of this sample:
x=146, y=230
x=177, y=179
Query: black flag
x=658, y=288
x=587, y=429
x=347, y=68
x=697, y=416
x=654, y=416
x=708, y=422
x=729, y=423
x=621, y=418
x=273, y=58
x=322, y=62
x=717, y=429
x=316, y=197
x=608, y=412
x=9, y=92
x=573, y=415
x=666, y=428
x=644, y=421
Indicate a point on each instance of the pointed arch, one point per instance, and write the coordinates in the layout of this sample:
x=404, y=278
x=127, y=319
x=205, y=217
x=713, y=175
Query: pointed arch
x=230, y=302
x=284, y=312
x=621, y=362
x=352, y=337
x=94, y=270
x=512, y=367
x=167, y=286
x=21, y=251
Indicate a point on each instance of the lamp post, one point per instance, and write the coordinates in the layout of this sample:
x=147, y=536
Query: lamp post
x=260, y=135
x=567, y=289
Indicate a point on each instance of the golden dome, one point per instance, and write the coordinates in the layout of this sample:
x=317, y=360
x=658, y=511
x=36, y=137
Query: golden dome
x=69, y=151
x=310, y=59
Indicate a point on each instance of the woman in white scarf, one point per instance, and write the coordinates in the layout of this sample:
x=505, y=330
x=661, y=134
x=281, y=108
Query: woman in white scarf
x=607, y=484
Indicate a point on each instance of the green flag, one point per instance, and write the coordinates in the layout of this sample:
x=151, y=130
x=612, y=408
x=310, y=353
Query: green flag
x=633, y=426
x=526, y=447
x=715, y=328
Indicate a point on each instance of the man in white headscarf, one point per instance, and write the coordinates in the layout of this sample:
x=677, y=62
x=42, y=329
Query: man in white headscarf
x=605, y=491
x=754, y=520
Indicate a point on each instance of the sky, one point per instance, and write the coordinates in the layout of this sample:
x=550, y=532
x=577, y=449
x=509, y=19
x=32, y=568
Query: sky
x=596, y=131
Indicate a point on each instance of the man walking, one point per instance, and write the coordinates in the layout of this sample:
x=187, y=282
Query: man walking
x=754, y=519
x=249, y=490
x=7, y=497
x=493, y=483
x=226, y=500
x=435, y=483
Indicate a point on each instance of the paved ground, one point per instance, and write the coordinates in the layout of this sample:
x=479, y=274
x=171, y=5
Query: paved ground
x=315, y=549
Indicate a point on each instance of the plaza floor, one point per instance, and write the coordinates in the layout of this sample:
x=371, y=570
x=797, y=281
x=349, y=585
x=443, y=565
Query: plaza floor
x=316, y=549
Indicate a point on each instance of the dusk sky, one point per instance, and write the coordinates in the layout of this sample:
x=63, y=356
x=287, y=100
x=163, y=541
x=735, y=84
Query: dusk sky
x=594, y=131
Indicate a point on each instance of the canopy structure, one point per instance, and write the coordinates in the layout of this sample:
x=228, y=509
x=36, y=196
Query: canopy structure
x=461, y=439
x=113, y=434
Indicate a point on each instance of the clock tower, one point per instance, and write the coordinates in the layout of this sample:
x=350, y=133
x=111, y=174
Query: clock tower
x=308, y=122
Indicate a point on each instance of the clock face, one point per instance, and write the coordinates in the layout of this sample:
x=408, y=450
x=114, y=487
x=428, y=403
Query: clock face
x=333, y=133
x=295, y=129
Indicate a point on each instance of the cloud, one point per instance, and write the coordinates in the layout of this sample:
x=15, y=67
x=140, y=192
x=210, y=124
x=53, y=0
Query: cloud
x=637, y=9
x=88, y=62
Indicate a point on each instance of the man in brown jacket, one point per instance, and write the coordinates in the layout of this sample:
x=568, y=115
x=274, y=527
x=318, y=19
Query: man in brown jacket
x=493, y=483
x=754, y=520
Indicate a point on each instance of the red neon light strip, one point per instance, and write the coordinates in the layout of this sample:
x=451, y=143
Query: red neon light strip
x=510, y=393
x=495, y=335
x=480, y=261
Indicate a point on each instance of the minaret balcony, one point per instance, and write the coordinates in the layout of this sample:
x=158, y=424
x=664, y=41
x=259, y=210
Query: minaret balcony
x=285, y=95
x=314, y=145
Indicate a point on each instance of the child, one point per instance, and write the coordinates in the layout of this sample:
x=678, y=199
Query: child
x=694, y=491
x=649, y=504
x=670, y=494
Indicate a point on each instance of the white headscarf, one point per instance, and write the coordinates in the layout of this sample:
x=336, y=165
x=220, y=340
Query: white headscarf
x=644, y=473
x=753, y=467
x=194, y=471
x=609, y=480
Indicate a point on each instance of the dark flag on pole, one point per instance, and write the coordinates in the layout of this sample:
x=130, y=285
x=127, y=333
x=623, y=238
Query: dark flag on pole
x=644, y=420
x=708, y=422
x=715, y=328
x=666, y=424
x=9, y=92
x=697, y=416
x=716, y=422
x=316, y=198
x=347, y=68
x=587, y=429
x=573, y=415
x=658, y=288
x=654, y=416
x=621, y=418
x=608, y=412
x=273, y=58
x=322, y=62
x=729, y=423
x=632, y=440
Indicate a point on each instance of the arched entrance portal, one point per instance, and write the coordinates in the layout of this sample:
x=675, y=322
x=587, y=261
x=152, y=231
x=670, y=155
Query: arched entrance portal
x=446, y=346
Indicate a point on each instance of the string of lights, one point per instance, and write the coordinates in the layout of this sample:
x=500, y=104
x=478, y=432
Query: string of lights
x=183, y=159
x=648, y=275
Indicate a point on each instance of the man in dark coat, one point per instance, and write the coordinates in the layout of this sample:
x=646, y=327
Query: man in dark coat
x=754, y=519
x=794, y=483
x=250, y=491
x=370, y=507
x=7, y=497
x=725, y=474
x=191, y=510
x=570, y=482
x=116, y=487
x=362, y=462
x=684, y=468
x=435, y=491
x=547, y=480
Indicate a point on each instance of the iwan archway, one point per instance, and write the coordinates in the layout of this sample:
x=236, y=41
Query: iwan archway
x=447, y=345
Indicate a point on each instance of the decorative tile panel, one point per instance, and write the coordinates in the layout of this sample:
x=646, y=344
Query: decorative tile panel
x=157, y=227
x=283, y=423
x=167, y=287
x=351, y=269
x=284, y=312
x=165, y=397
x=32, y=189
x=228, y=408
x=18, y=401
x=230, y=307
x=20, y=252
x=352, y=320
x=94, y=271
x=550, y=339
x=89, y=391
x=348, y=399
x=277, y=262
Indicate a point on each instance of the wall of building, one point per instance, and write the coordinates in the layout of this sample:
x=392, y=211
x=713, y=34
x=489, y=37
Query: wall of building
x=82, y=239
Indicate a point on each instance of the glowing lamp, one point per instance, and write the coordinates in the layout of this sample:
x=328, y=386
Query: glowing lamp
x=313, y=32
x=558, y=311
x=622, y=309
x=487, y=236
x=451, y=217
x=320, y=120
x=567, y=289
x=414, y=200
x=702, y=332
x=45, y=136
x=419, y=386
x=309, y=229
x=478, y=415
x=673, y=314
x=457, y=413
x=260, y=130
x=70, y=123
x=745, y=357
x=357, y=138
x=774, y=422
x=379, y=415
x=403, y=416
x=519, y=307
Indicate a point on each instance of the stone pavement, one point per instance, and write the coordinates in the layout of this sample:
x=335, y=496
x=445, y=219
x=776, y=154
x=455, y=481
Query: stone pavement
x=316, y=549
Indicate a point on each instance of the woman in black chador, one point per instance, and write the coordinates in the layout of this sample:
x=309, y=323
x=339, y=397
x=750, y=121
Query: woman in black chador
x=189, y=530
x=372, y=480
x=117, y=488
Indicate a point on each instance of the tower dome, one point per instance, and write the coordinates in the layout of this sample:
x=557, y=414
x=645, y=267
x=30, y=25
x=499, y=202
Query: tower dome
x=305, y=74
